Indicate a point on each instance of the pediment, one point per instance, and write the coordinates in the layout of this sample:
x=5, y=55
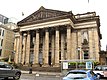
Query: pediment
x=42, y=14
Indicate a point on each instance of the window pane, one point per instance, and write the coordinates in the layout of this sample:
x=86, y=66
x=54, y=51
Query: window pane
x=0, y=32
x=3, y=33
x=1, y=42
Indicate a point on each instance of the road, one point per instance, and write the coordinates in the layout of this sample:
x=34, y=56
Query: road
x=40, y=77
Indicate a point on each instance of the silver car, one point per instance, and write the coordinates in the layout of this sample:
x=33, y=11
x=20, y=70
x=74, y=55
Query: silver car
x=81, y=75
x=6, y=71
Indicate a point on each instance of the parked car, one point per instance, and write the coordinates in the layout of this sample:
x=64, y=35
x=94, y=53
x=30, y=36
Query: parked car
x=81, y=75
x=6, y=71
x=101, y=70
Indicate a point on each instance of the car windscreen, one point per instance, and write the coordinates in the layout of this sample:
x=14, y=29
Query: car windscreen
x=76, y=75
x=104, y=68
x=98, y=68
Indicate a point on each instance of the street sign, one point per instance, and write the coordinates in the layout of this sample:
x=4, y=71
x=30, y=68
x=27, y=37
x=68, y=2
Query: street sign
x=65, y=65
x=89, y=65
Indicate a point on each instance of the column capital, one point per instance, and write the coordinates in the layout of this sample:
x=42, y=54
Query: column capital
x=20, y=33
x=37, y=30
x=57, y=28
x=24, y=34
x=28, y=32
x=69, y=26
x=46, y=29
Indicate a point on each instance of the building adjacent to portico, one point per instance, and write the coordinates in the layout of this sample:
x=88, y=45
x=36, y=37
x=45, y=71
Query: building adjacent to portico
x=6, y=42
x=48, y=36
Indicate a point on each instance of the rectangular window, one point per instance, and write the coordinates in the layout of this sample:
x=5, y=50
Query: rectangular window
x=86, y=55
x=0, y=32
x=1, y=42
x=3, y=33
x=0, y=51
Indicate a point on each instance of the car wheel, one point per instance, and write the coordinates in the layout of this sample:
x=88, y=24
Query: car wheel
x=98, y=75
x=6, y=78
x=17, y=76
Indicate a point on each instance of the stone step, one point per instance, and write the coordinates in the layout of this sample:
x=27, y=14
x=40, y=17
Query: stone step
x=43, y=69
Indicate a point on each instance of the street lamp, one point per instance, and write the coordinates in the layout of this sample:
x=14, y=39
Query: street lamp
x=79, y=53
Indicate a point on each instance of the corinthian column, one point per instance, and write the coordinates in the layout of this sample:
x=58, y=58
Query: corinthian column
x=17, y=50
x=62, y=47
x=57, y=48
x=36, y=49
x=68, y=43
x=53, y=49
x=24, y=49
x=20, y=48
x=28, y=48
x=46, y=48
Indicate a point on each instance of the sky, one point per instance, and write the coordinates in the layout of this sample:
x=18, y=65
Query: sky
x=13, y=9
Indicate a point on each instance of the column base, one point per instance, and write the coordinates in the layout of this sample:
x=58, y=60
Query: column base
x=45, y=65
x=56, y=65
x=36, y=65
x=26, y=65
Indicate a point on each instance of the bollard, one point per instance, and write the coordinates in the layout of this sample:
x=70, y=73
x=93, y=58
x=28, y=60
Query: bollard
x=30, y=70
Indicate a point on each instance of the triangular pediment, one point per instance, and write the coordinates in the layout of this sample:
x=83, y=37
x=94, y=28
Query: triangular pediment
x=42, y=14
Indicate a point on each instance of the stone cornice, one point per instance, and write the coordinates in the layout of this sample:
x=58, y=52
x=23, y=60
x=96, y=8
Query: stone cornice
x=47, y=24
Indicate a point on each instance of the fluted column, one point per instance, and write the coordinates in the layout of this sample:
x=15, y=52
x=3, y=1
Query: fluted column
x=17, y=50
x=62, y=47
x=28, y=48
x=68, y=42
x=24, y=48
x=46, y=49
x=57, y=48
x=20, y=48
x=15, y=44
x=53, y=49
x=36, y=49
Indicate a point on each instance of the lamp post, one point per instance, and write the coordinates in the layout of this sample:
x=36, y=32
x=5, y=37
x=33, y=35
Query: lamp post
x=79, y=53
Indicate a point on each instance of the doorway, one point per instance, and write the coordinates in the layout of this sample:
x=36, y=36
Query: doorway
x=49, y=59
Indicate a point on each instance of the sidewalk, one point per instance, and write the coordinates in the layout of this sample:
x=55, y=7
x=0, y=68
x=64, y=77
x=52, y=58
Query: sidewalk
x=43, y=73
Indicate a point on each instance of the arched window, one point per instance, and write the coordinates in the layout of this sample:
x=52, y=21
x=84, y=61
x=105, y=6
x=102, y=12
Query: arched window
x=84, y=36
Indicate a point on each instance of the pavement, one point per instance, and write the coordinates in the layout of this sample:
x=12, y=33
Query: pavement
x=37, y=73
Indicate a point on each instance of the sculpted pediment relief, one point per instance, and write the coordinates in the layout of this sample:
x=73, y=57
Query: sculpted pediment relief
x=43, y=14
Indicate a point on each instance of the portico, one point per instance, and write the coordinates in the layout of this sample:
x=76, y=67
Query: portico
x=45, y=45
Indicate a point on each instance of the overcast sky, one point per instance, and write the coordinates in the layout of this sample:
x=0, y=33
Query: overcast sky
x=14, y=9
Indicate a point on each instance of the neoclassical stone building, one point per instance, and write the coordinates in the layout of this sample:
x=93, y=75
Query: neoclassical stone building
x=48, y=36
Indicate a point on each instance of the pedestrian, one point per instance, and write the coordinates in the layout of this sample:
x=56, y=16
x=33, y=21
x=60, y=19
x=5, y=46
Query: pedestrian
x=30, y=69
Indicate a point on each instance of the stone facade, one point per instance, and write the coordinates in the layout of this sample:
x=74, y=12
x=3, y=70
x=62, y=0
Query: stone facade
x=103, y=57
x=6, y=43
x=48, y=36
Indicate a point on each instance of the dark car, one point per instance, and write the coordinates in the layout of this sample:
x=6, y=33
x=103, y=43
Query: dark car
x=6, y=71
x=101, y=70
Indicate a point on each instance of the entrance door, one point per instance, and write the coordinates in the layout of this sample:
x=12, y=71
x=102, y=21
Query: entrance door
x=106, y=61
x=49, y=61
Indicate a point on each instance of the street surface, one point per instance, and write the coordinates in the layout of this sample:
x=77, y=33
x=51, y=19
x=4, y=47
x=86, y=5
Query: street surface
x=40, y=77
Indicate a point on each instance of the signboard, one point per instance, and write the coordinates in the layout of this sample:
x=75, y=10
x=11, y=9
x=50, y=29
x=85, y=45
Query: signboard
x=65, y=65
x=88, y=65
